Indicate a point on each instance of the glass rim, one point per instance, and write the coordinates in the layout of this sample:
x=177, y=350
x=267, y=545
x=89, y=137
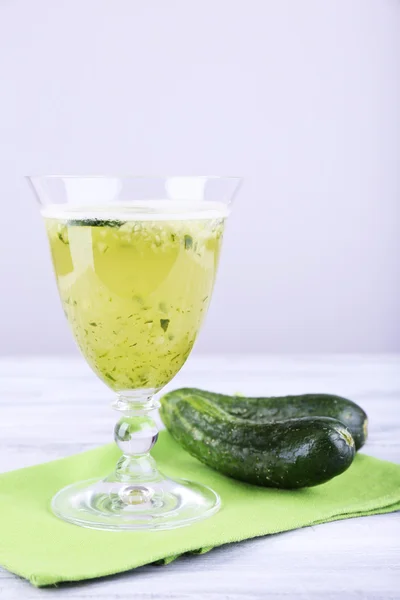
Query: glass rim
x=121, y=176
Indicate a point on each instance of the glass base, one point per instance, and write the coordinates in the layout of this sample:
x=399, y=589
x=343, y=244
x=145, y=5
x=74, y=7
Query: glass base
x=120, y=506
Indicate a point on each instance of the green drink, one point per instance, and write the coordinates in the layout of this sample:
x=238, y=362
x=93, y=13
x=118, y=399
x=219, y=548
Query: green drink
x=135, y=286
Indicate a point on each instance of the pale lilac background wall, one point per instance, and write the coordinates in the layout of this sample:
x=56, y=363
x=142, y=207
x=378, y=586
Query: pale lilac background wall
x=300, y=97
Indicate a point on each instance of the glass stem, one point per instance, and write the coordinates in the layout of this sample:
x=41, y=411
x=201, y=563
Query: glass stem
x=135, y=434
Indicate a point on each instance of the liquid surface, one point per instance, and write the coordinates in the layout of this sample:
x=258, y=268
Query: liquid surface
x=135, y=291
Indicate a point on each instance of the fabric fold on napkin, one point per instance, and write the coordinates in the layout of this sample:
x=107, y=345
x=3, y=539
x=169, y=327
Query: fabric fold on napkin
x=45, y=550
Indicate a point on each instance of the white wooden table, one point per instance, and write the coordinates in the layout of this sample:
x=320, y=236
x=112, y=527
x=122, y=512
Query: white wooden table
x=67, y=411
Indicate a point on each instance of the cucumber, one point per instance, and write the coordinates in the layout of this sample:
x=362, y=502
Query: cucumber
x=294, y=453
x=93, y=223
x=280, y=408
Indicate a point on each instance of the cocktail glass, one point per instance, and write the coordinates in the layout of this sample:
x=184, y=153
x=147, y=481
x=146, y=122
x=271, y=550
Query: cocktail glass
x=135, y=260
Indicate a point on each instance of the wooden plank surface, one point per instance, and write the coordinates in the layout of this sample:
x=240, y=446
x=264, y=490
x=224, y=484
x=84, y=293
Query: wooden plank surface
x=52, y=407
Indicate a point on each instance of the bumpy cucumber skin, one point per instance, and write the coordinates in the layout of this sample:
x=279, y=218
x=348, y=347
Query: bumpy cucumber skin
x=280, y=408
x=294, y=453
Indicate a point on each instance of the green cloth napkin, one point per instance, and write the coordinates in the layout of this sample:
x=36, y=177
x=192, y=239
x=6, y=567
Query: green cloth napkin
x=45, y=550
